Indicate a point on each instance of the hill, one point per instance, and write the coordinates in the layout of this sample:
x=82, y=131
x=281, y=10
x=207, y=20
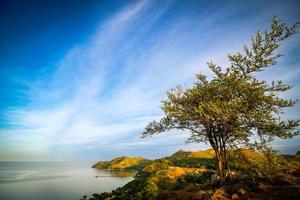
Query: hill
x=192, y=175
x=202, y=159
x=123, y=163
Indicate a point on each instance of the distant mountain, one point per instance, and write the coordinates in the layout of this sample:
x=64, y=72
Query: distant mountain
x=123, y=163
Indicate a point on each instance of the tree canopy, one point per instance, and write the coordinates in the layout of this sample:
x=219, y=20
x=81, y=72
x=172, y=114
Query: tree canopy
x=227, y=110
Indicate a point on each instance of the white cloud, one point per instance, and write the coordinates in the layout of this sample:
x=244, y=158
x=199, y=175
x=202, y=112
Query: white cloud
x=104, y=92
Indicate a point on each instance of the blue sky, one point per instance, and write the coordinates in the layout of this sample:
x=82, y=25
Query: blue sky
x=79, y=80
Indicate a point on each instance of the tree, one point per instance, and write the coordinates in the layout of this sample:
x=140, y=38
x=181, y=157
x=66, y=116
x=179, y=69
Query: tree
x=229, y=109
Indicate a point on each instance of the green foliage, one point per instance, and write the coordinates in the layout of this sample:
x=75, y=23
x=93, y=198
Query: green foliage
x=192, y=178
x=248, y=162
x=265, y=164
x=197, y=178
x=160, y=164
x=292, y=160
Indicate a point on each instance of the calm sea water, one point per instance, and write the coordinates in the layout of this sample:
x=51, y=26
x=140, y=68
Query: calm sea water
x=56, y=180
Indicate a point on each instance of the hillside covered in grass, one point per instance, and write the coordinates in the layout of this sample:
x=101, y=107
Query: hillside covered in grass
x=123, y=163
x=204, y=159
x=192, y=175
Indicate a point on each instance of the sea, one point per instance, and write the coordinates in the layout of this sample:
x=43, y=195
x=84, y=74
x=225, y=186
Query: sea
x=57, y=180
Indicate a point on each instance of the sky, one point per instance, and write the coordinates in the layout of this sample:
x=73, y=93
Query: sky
x=79, y=80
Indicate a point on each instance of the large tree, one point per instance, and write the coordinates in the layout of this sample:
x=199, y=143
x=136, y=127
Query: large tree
x=230, y=108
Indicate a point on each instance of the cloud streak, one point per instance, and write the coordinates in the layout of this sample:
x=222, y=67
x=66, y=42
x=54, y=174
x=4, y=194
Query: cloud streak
x=104, y=91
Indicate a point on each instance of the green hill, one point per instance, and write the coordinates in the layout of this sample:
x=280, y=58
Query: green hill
x=202, y=159
x=123, y=163
x=191, y=175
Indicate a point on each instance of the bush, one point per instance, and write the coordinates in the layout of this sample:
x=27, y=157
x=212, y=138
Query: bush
x=193, y=179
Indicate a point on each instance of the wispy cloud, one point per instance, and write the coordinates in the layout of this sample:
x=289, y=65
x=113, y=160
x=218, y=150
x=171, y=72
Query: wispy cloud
x=104, y=91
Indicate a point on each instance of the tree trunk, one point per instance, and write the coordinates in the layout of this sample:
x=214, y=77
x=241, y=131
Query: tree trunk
x=226, y=163
x=220, y=168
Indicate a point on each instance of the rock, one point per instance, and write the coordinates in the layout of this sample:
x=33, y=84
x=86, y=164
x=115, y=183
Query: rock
x=214, y=177
x=263, y=187
x=235, y=196
x=242, y=191
x=220, y=194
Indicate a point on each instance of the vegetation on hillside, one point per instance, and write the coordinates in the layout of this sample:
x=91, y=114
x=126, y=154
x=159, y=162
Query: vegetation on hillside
x=179, y=177
x=124, y=162
x=202, y=159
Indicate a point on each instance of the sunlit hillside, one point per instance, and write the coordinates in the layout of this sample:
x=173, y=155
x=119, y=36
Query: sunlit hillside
x=123, y=163
x=179, y=177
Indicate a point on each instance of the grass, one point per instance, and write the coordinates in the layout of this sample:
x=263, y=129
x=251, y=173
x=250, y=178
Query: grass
x=123, y=163
x=202, y=159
